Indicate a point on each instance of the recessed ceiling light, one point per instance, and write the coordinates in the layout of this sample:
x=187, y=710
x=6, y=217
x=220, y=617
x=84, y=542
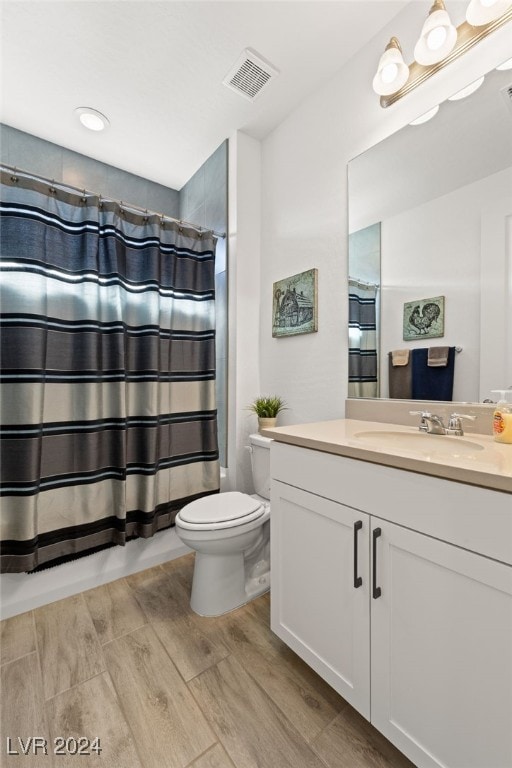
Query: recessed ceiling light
x=467, y=91
x=92, y=119
x=426, y=116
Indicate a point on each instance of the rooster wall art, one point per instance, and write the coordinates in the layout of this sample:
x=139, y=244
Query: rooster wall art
x=424, y=318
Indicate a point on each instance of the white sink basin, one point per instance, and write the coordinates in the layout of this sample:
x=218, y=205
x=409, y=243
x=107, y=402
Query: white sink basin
x=433, y=447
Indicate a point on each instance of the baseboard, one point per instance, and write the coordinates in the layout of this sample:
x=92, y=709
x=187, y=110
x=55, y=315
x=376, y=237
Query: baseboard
x=21, y=592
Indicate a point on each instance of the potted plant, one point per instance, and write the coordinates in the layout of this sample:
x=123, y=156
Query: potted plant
x=266, y=409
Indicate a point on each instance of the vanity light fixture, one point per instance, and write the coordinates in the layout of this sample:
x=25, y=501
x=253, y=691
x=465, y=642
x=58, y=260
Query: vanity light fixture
x=437, y=38
x=467, y=91
x=392, y=72
x=440, y=43
x=480, y=12
x=92, y=119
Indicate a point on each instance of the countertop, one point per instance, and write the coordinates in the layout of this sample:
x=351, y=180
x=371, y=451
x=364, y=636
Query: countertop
x=483, y=462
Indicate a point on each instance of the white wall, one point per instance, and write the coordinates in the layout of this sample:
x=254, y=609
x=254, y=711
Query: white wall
x=496, y=302
x=304, y=202
x=444, y=260
x=244, y=195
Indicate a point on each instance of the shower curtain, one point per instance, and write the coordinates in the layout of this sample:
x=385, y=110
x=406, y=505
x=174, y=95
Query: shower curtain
x=107, y=373
x=362, y=361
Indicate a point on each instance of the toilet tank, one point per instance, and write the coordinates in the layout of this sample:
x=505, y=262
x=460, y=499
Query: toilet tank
x=260, y=461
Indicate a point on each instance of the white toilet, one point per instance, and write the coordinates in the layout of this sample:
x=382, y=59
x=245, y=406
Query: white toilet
x=230, y=533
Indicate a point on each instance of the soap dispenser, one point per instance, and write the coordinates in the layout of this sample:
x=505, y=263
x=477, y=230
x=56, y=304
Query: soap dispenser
x=502, y=418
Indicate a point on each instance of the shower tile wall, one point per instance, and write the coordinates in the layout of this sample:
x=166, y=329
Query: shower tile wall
x=204, y=201
x=43, y=158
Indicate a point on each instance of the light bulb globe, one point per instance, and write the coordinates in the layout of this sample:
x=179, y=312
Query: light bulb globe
x=389, y=72
x=437, y=39
x=481, y=12
x=392, y=72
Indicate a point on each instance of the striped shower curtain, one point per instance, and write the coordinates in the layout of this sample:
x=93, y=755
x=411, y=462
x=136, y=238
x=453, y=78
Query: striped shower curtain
x=108, y=373
x=363, y=380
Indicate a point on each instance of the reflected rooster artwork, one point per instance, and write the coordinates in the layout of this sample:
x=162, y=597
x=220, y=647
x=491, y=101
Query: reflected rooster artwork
x=424, y=318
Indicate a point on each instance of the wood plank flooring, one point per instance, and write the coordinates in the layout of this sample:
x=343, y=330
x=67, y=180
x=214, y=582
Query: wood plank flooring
x=161, y=687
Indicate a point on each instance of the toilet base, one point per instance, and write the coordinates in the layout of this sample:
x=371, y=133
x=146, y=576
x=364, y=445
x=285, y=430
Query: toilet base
x=257, y=586
x=219, y=584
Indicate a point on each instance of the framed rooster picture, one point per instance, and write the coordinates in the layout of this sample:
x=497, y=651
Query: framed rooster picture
x=424, y=318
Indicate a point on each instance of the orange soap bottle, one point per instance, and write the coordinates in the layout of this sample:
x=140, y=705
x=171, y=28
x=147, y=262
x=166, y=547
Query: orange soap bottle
x=502, y=418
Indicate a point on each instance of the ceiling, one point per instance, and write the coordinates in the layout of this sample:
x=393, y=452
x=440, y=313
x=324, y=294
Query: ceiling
x=156, y=70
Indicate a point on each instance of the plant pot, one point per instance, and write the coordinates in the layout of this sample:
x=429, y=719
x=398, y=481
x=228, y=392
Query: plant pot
x=266, y=423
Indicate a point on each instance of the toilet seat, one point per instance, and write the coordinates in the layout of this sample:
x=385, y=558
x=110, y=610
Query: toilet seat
x=223, y=510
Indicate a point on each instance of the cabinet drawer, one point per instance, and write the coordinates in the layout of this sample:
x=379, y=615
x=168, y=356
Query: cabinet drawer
x=477, y=519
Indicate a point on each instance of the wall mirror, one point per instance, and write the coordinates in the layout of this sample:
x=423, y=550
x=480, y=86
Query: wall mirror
x=430, y=215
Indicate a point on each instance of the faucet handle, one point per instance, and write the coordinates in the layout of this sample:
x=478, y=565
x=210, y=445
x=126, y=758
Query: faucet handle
x=462, y=416
x=423, y=414
x=455, y=425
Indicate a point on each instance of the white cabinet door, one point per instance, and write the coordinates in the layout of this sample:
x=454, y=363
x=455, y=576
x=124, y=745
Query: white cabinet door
x=319, y=602
x=441, y=651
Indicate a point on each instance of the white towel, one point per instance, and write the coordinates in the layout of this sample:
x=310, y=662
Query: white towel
x=400, y=357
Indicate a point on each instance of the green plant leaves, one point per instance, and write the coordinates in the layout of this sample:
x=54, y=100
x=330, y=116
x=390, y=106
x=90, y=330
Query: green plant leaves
x=268, y=407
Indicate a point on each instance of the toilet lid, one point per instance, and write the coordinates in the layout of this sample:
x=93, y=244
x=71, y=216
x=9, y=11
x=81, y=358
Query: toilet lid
x=222, y=508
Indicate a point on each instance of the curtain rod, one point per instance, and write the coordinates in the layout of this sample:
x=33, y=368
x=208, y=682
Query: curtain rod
x=362, y=283
x=126, y=206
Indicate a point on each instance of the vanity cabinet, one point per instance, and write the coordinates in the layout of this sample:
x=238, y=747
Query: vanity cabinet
x=418, y=636
x=441, y=651
x=315, y=606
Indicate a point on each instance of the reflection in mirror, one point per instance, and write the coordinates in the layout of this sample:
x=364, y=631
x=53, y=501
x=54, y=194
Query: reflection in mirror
x=363, y=295
x=430, y=216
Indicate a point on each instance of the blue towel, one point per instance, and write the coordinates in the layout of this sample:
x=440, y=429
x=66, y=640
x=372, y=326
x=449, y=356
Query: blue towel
x=432, y=383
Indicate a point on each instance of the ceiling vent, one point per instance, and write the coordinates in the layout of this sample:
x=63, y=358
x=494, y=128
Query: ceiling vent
x=506, y=92
x=250, y=75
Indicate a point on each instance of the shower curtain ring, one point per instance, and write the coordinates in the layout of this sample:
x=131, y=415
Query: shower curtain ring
x=84, y=198
x=14, y=178
x=52, y=189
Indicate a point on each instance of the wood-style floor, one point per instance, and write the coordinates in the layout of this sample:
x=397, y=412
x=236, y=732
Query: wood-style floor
x=160, y=687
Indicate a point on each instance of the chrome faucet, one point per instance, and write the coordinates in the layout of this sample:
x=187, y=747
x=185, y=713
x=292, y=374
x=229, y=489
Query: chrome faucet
x=433, y=424
x=430, y=423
